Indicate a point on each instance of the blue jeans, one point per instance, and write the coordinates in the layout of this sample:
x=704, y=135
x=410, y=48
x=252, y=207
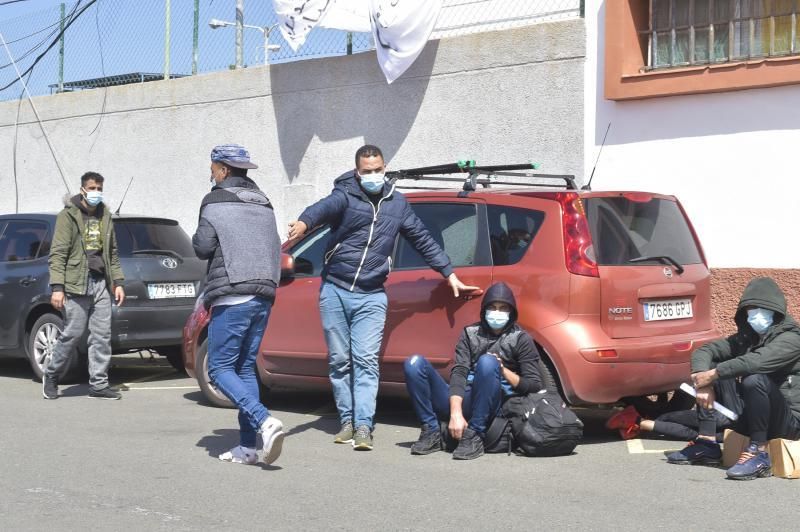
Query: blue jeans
x=353, y=325
x=430, y=394
x=234, y=336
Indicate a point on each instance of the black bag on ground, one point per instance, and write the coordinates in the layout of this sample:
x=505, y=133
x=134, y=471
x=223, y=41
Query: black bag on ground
x=542, y=425
x=498, y=437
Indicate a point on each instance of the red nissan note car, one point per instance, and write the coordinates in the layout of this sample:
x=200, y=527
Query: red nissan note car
x=613, y=287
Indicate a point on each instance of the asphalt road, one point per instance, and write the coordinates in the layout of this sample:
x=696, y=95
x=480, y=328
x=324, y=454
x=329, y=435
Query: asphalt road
x=148, y=462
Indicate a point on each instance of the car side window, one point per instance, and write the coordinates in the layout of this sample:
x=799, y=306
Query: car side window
x=511, y=232
x=454, y=226
x=309, y=253
x=21, y=240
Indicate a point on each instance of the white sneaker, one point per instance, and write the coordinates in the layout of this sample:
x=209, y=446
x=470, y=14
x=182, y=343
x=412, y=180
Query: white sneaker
x=240, y=455
x=272, y=434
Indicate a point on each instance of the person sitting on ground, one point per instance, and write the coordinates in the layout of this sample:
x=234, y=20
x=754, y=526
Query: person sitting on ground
x=765, y=354
x=494, y=359
x=681, y=425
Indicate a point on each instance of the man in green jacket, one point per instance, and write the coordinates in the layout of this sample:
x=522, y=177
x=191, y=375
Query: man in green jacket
x=765, y=355
x=84, y=269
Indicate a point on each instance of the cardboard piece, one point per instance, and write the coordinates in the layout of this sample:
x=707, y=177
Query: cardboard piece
x=785, y=457
x=733, y=444
x=784, y=454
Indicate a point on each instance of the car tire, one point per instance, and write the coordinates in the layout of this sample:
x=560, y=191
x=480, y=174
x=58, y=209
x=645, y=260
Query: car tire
x=549, y=382
x=174, y=356
x=39, y=345
x=210, y=392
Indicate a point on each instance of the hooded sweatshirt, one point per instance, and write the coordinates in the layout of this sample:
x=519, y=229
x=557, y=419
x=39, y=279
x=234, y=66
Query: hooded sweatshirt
x=512, y=344
x=775, y=353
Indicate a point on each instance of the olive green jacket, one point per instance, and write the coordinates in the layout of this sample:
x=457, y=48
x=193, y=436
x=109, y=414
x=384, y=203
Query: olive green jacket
x=775, y=353
x=69, y=264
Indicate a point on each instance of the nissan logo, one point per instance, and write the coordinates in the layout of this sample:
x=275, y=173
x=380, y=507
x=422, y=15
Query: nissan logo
x=169, y=262
x=667, y=273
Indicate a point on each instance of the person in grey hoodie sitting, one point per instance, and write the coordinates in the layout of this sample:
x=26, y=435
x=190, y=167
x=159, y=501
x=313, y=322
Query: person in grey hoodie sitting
x=238, y=236
x=495, y=359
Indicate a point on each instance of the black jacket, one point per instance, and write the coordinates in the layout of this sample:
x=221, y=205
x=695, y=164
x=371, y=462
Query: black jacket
x=514, y=346
x=359, y=253
x=238, y=236
x=776, y=353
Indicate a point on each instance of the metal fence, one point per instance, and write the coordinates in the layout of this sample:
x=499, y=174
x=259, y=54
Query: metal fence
x=113, y=42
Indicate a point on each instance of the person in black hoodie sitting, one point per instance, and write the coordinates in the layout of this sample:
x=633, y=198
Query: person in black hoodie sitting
x=495, y=358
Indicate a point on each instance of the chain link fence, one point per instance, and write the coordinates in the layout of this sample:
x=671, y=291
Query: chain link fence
x=115, y=42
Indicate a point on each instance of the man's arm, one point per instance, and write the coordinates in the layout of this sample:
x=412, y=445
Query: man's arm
x=328, y=210
x=529, y=380
x=117, y=277
x=205, y=240
x=458, y=385
x=420, y=238
x=709, y=355
x=782, y=351
x=59, y=251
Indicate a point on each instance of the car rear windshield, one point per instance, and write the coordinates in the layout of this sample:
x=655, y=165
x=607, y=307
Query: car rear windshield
x=624, y=229
x=142, y=234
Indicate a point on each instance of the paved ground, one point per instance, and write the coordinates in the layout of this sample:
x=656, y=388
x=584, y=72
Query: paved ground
x=148, y=462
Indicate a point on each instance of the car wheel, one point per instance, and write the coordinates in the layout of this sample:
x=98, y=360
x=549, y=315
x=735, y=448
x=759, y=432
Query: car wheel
x=174, y=356
x=41, y=342
x=210, y=392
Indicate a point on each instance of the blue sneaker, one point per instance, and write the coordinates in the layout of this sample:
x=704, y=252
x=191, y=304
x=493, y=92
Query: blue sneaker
x=697, y=452
x=752, y=464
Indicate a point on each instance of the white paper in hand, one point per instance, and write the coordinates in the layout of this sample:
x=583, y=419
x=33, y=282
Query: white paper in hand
x=728, y=413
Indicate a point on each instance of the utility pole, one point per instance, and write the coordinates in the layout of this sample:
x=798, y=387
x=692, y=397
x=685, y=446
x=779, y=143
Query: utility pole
x=194, y=35
x=61, y=52
x=239, y=33
x=167, y=24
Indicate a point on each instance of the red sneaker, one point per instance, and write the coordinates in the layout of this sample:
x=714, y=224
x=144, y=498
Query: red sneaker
x=623, y=419
x=630, y=432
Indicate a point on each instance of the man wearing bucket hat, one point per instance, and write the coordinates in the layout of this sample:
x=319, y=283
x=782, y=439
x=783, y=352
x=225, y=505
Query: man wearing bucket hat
x=238, y=236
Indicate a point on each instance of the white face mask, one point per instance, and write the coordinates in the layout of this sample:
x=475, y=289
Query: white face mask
x=760, y=319
x=94, y=197
x=372, y=183
x=497, y=319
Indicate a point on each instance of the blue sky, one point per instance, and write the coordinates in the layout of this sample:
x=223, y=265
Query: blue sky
x=131, y=37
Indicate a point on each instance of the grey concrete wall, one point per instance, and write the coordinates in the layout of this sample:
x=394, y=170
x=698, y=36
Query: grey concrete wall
x=502, y=97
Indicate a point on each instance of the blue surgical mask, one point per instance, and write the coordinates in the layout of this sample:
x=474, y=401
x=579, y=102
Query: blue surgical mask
x=760, y=319
x=372, y=183
x=94, y=197
x=497, y=319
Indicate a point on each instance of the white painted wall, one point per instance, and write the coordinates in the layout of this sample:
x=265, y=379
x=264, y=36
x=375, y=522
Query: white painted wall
x=731, y=158
x=502, y=97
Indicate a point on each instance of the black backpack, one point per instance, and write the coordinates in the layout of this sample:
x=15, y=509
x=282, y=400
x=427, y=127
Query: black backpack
x=542, y=425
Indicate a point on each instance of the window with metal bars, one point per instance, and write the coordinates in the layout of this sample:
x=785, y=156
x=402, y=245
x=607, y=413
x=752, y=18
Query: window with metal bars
x=696, y=32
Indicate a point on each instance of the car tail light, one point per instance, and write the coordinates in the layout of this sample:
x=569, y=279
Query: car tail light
x=638, y=197
x=683, y=346
x=578, y=247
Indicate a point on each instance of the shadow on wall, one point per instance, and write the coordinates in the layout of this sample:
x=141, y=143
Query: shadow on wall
x=340, y=98
x=697, y=115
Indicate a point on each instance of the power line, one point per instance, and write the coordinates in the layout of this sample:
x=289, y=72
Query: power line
x=55, y=41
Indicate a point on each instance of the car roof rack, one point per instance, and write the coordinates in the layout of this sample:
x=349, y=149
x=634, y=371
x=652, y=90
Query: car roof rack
x=473, y=179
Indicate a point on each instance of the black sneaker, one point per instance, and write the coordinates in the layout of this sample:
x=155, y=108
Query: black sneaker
x=469, y=447
x=49, y=387
x=105, y=393
x=430, y=441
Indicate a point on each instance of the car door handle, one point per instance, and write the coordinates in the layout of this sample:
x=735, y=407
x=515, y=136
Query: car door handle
x=27, y=280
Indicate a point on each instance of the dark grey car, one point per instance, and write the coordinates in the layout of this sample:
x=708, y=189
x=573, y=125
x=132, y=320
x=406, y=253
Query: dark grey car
x=162, y=278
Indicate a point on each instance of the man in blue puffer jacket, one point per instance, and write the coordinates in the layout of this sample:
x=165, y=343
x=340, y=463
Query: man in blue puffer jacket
x=365, y=214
